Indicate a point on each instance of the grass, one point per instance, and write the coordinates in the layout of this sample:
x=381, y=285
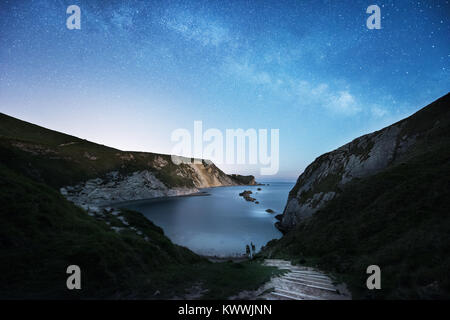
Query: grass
x=58, y=160
x=42, y=233
x=398, y=219
x=219, y=280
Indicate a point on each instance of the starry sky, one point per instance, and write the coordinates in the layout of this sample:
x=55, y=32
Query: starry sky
x=137, y=70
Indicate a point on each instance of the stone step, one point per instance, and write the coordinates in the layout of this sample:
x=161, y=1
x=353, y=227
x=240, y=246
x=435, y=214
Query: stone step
x=286, y=267
x=292, y=268
x=311, y=286
x=281, y=265
x=314, y=283
x=276, y=260
x=283, y=296
x=309, y=274
x=306, y=277
x=301, y=283
x=297, y=295
x=309, y=278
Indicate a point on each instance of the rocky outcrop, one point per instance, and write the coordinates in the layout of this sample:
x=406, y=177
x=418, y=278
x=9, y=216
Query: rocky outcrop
x=117, y=187
x=244, y=180
x=323, y=179
x=246, y=195
x=206, y=175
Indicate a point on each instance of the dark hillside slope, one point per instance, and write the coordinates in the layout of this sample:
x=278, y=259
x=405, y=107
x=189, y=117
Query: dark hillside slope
x=398, y=219
x=41, y=234
x=58, y=159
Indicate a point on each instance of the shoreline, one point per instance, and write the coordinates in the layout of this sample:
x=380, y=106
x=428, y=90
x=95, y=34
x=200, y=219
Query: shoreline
x=155, y=199
x=219, y=259
x=212, y=257
x=198, y=193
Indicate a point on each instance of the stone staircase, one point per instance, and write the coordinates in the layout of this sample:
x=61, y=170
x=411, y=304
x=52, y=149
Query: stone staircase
x=302, y=283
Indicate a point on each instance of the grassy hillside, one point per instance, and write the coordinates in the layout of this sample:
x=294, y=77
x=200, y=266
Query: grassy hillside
x=41, y=234
x=58, y=159
x=398, y=219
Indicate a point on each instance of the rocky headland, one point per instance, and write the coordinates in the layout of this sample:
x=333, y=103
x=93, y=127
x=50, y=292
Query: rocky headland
x=324, y=179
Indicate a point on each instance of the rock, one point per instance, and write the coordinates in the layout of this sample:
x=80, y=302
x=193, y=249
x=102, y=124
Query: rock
x=246, y=195
x=279, y=217
x=123, y=220
x=281, y=228
x=245, y=192
x=117, y=188
x=270, y=211
x=117, y=229
x=94, y=209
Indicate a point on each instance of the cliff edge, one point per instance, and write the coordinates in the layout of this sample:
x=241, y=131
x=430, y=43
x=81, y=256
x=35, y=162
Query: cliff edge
x=367, y=155
x=88, y=173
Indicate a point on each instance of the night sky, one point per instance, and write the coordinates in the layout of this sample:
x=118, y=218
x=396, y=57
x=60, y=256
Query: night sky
x=137, y=70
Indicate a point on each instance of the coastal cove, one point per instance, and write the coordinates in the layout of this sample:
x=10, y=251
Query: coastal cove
x=217, y=221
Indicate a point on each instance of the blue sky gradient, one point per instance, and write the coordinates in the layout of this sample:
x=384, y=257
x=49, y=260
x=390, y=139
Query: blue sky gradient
x=137, y=70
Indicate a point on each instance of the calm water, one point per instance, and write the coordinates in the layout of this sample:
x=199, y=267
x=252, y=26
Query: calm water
x=219, y=224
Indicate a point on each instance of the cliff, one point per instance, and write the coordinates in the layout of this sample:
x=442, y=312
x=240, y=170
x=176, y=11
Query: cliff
x=382, y=200
x=91, y=174
x=324, y=179
x=144, y=184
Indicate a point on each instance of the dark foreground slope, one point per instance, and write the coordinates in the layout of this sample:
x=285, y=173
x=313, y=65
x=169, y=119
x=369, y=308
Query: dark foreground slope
x=42, y=234
x=121, y=255
x=398, y=219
